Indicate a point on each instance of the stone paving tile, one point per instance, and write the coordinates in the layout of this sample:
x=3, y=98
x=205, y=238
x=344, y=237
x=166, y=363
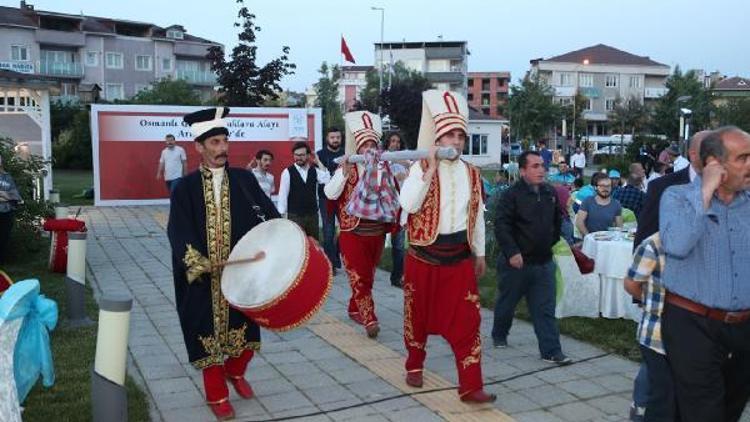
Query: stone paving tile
x=537, y=416
x=298, y=371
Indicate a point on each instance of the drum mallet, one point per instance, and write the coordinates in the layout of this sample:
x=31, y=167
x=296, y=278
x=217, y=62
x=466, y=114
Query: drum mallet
x=109, y=398
x=443, y=153
x=75, y=280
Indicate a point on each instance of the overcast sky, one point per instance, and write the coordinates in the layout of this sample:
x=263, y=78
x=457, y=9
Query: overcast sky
x=503, y=35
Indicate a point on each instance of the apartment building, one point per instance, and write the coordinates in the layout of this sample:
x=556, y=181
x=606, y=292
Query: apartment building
x=735, y=87
x=444, y=63
x=353, y=81
x=602, y=74
x=119, y=57
x=488, y=92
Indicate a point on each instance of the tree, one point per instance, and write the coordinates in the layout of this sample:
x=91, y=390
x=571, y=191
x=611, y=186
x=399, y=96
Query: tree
x=666, y=112
x=629, y=116
x=736, y=111
x=168, y=92
x=327, y=93
x=532, y=111
x=402, y=101
x=242, y=82
x=73, y=147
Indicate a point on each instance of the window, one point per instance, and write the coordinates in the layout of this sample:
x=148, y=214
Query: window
x=166, y=65
x=485, y=84
x=19, y=53
x=485, y=99
x=609, y=104
x=500, y=82
x=635, y=82
x=114, y=61
x=476, y=144
x=69, y=89
x=565, y=79
x=470, y=97
x=114, y=92
x=588, y=104
x=610, y=81
x=92, y=58
x=143, y=63
x=141, y=87
x=175, y=33
x=470, y=82
x=586, y=80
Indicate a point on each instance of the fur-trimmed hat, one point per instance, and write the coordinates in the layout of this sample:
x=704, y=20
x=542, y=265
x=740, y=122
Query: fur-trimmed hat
x=207, y=123
x=442, y=112
x=361, y=126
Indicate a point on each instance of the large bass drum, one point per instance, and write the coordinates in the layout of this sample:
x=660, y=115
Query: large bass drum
x=285, y=288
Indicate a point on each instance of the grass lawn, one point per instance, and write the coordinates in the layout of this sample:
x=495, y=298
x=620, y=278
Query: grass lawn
x=69, y=399
x=71, y=183
x=612, y=335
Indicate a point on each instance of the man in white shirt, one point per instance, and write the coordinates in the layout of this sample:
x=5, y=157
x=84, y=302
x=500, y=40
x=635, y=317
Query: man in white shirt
x=578, y=162
x=298, y=189
x=261, y=166
x=172, y=163
x=446, y=248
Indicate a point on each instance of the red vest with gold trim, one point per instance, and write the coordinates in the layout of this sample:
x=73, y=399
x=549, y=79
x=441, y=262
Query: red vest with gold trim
x=424, y=225
x=348, y=222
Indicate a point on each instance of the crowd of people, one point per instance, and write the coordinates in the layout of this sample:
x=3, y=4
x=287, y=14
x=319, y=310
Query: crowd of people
x=690, y=250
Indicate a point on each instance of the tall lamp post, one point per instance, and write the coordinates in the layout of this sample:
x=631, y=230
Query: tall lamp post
x=380, y=68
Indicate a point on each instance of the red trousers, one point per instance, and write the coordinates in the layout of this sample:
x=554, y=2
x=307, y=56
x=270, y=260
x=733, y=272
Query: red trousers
x=443, y=300
x=361, y=255
x=214, y=377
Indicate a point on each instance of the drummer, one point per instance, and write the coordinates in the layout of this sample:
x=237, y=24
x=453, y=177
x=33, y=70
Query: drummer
x=210, y=210
x=446, y=253
x=361, y=240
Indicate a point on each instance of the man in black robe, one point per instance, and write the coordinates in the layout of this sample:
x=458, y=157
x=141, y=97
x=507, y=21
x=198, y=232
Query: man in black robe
x=210, y=210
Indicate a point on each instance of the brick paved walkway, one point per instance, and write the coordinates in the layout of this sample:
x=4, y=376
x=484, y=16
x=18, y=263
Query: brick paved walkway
x=329, y=364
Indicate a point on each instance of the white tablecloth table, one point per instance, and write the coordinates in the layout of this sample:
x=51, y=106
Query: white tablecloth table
x=612, y=259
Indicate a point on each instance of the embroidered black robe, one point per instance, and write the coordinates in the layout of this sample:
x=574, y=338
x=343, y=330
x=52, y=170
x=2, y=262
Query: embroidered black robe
x=199, y=230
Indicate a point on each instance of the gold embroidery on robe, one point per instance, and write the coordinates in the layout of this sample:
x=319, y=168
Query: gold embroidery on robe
x=348, y=222
x=475, y=356
x=408, y=317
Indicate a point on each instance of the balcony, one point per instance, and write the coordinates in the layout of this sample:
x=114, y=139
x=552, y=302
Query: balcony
x=655, y=92
x=61, y=69
x=60, y=38
x=445, y=76
x=197, y=77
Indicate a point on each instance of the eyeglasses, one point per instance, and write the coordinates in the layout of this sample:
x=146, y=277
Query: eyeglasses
x=604, y=186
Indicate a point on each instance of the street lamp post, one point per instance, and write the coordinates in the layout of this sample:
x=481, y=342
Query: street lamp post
x=380, y=68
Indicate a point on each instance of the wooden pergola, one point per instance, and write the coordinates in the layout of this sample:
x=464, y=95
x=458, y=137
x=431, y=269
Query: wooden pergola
x=21, y=95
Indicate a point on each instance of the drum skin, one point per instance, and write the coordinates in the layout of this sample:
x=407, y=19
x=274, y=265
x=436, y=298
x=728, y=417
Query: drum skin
x=301, y=300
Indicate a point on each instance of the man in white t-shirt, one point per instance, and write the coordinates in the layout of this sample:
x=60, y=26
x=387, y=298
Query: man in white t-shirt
x=172, y=163
x=261, y=168
x=578, y=162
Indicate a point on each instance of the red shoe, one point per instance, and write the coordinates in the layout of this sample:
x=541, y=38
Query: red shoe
x=414, y=379
x=222, y=409
x=242, y=387
x=478, y=396
x=373, y=330
x=354, y=316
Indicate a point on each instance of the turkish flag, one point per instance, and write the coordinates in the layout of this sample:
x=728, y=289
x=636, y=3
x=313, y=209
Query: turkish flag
x=345, y=51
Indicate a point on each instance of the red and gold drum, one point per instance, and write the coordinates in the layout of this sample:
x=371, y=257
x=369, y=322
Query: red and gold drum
x=285, y=288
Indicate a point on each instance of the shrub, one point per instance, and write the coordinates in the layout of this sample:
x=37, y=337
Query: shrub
x=72, y=150
x=29, y=214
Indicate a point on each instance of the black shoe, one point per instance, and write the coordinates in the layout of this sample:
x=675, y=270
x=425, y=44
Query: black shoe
x=559, y=359
x=397, y=283
x=500, y=343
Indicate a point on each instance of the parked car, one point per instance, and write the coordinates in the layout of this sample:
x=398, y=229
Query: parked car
x=611, y=149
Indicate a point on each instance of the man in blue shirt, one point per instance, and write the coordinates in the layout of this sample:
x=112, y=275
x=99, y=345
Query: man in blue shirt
x=546, y=154
x=705, y=231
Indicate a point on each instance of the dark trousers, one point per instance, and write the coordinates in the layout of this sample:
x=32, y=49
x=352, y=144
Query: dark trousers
x=537, y=284
x=6, y=224
x=661, y=404
x=309, y=223
x=171, y=184
x=330, y=240
x=710, y=363
x=397, y=255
